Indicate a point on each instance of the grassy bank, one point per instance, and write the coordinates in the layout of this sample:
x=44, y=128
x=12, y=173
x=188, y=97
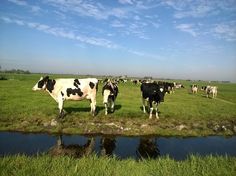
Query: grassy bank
x=93, y=165
x=182, y=113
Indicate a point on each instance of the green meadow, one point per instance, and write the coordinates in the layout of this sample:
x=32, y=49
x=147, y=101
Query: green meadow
x=182, y=113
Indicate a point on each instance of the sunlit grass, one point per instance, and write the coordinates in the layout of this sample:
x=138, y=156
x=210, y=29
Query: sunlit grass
x=20, y=105
x=93, y=165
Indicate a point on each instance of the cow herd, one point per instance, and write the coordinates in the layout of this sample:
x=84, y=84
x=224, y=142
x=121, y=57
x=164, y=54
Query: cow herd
x=209, y=90
x=152, y=92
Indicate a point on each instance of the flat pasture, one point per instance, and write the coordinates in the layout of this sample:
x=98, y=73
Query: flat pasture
x=182, y=113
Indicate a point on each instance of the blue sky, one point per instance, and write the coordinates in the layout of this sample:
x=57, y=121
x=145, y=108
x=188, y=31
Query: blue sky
x=182, y=39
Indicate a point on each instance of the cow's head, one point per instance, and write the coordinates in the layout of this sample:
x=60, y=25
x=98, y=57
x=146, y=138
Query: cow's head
x=161, y=93
x=41, y=84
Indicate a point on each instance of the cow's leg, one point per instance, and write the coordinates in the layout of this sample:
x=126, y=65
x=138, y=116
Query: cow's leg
x=156, y=108
x=106, y=108
x=106, y=94
x=112, y=106
x=144, y=110
x=151, y=109
x=93, y=106
x=150, y=115
x=60, y=106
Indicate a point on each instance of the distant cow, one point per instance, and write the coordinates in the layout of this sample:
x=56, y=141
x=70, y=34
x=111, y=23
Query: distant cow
x=168, y=87
x=179, y=85
x=69, y=89
x=153, y=94
x=109, y=92
x=211, y=90
x=194, y=88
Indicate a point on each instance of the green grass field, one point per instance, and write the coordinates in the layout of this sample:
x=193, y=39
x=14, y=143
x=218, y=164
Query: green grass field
x=22, y=109
x=93, y=165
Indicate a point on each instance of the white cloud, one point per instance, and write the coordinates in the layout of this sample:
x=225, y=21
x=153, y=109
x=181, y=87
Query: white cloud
x=33, y=8
x=198, y=9
x=18, y=2
x=226, y=31
x=125, y=1
x=117, y=24
x=60, y=32
x=189, y=28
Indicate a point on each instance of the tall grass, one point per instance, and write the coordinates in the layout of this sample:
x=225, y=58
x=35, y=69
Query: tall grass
x=93, y=165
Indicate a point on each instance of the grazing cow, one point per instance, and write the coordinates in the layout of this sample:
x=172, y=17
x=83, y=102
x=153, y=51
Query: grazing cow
x=211, y=90
x=109, y=92
x=69, y=89
x=194, y=88
x=179, y=85
x=153, y=94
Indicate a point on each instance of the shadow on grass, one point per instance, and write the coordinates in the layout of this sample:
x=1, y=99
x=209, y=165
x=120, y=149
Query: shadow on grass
x=69, y=110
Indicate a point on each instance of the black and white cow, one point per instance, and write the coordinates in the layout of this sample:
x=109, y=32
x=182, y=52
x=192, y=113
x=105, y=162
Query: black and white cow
x=211, y=90
x=109, y=92
x=69, y=89
x=194, y=88
x=153, y=93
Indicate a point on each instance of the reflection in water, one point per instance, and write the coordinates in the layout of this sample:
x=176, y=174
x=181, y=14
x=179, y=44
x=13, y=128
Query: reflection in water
x=73, y=150
x=122, y=147
x=147, y=148
x=107, y=146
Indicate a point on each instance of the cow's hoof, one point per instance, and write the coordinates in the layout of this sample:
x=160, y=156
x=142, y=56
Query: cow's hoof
x=94, y=113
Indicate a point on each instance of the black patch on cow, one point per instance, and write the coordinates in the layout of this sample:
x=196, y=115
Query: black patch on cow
x=43, y=81
x=40, y=83
x=62, y=93
x=74, y=92
x=50, y=85
x=76, y=83
x=91, y=84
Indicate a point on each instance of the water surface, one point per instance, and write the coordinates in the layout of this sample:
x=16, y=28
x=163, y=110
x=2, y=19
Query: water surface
x=122, y=147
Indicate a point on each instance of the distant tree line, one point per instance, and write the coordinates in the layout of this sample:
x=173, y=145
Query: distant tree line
x=17, y=71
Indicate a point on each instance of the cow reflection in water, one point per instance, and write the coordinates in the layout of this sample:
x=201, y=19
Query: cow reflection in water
x=107, y=146
x=73, y=150
x=147, y=148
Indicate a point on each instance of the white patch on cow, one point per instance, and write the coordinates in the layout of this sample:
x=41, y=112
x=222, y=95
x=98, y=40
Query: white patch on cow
x=161, y=89
x=106, y=95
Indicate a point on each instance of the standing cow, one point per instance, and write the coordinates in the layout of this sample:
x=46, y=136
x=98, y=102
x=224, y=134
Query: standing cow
x=211, y=90
x=69, y=89
x=109, y=92
x=194, y=88
x=153, y=94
